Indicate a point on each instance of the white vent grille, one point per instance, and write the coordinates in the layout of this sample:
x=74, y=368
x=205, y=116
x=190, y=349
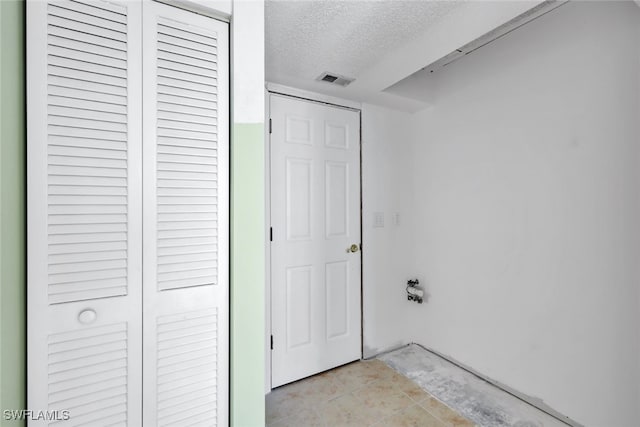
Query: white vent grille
x=87, y=150
x=187, y=165
x=335, y=79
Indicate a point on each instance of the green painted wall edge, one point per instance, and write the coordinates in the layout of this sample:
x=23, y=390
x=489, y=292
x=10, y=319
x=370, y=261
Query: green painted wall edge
x=12, y=209
x=247, y=275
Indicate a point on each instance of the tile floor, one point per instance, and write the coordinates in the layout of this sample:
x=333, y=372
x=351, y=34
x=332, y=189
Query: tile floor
x=475, y=399
x=365, y=393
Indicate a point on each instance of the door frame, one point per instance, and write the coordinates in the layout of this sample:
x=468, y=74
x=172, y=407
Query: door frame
x=303, y=95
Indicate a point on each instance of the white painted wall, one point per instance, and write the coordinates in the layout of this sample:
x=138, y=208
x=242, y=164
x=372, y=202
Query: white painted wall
x=519, y=199
x=387, y=252
x=527, y=200
x=248, y=60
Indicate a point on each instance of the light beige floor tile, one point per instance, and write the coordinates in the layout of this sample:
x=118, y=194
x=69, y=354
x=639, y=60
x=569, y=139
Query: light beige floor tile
x=378, y=366
x=414, y=416
x=444, y=413
x=398, y=379
x=286, y=401
x=410, y=388
x=320, y=388
x=376, y=387
x=332, y=374
x=383, y=397
x=358, y=394
x=414, y=391
x=307, y=417
x=346, y=411
x=356, y=375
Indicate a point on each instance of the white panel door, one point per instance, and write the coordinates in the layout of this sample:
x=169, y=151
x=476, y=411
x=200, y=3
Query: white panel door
x=185, y=174
x=315, y=219
x=84, y=212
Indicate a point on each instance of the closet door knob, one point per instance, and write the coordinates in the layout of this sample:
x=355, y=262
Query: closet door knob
x=353, y=248
x=87, y=316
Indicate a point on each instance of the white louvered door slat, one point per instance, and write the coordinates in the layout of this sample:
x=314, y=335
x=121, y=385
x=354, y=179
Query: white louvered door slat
x=109, y=202
x=85, y=211
x=186, y=221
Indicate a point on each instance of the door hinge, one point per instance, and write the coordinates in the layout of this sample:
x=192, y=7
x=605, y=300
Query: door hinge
x=271, y=342
x=271, y=234
x=270, y=126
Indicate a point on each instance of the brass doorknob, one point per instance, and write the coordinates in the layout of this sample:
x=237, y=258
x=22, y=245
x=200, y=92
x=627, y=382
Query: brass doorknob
x=353, y=248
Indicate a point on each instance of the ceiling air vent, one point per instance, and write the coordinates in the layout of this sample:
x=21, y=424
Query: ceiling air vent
x=335, y=79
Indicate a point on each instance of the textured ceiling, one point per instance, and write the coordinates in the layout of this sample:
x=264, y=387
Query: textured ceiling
x=306, y=37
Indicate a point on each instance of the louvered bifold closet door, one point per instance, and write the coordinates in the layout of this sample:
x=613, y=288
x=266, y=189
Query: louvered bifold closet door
x=185, y=218
x=84, y=212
